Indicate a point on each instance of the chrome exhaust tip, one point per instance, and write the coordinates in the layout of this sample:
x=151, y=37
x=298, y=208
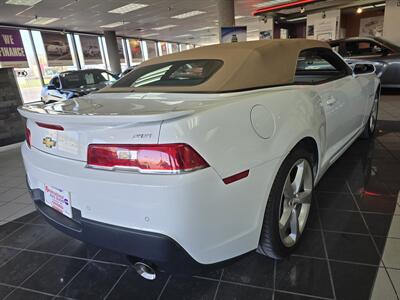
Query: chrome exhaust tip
x=145, y=270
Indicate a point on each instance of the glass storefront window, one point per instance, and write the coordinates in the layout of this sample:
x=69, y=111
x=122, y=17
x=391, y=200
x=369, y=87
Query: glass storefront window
x=151, y=48
x=49, y=69
x=89, y=52
x=162, y=48
x=29, y=78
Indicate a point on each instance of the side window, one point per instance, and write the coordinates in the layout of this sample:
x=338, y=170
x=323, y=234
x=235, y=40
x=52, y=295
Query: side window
x=315, y=66
x=56, y=82
x=364, y=48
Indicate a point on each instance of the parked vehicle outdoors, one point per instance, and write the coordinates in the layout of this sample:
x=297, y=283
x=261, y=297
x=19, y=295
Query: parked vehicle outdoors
x=71, y=84
x=383, y=54
x=199, y=157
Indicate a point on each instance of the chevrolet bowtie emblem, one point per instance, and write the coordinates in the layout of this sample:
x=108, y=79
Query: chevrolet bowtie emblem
x=49, y=142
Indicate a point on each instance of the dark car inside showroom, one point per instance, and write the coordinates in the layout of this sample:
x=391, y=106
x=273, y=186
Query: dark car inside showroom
x=200, y=149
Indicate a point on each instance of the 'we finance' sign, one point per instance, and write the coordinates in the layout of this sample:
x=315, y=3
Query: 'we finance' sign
x=12, y=52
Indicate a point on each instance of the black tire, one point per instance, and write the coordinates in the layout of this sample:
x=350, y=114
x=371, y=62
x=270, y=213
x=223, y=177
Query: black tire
x=270, y=240
x=368, y=131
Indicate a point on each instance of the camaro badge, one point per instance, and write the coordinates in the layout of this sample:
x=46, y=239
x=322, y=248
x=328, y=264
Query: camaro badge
x=49, y=142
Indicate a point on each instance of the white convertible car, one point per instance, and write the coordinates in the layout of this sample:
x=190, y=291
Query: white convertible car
x=199, y=157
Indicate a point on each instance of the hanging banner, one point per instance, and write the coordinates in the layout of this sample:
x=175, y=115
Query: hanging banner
x=120, y=50
x=233, y=34
x=91, y=49
x=136, y=51
x=12, y=52
x=151, y=49
x=57, y=49
x=163, y=47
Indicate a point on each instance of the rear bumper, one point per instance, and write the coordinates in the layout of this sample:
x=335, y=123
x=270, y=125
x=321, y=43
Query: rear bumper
x=210, y=221
x=158, y=249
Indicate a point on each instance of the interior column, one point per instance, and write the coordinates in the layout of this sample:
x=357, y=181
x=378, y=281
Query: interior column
x=226, y=14
x=112, y=49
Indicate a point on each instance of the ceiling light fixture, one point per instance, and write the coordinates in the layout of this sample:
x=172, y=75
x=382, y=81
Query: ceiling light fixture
x=127, y=8
x=359, y=10
x=380, y=5
x=112, y=25
x=23, y=2
x=183, y=35
x=150, y=34
x=302, y=10
x=282, y=6
x=269, y=3
x=189, y=14
x=239, y=17
x=202, y=28
x=42, y=21
x=297, y=19
x=163, y=27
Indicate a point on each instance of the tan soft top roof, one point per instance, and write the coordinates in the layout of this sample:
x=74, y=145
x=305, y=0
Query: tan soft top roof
x=246, y=65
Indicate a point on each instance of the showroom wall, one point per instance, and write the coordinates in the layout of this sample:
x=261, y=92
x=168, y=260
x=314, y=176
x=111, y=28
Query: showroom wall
x=350, y=23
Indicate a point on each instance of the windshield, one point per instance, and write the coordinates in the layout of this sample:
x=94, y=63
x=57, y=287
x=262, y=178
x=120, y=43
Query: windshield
x=177, y=73
x=389, y=44
x=81, y=79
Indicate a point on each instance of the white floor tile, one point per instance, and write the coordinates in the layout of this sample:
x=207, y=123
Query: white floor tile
x=391, y=257
x=11, y=194
x=382, y=288
x=394, y=230
x=10, y=209
x=22, y=212
x=23, y=199
x=395, y=277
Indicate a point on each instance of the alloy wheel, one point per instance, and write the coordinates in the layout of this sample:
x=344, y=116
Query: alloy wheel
x=295, y=202
x=374, y=116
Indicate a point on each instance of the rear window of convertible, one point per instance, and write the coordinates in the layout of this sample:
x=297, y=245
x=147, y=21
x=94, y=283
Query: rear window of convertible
x=175, y=73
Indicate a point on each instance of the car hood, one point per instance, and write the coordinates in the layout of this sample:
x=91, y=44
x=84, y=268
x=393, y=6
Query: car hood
x=84, y=90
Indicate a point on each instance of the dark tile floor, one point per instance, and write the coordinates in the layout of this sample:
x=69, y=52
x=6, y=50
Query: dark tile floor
x=349, y=251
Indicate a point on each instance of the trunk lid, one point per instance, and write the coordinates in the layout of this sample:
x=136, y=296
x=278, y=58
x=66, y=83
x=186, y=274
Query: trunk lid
x=105, y=118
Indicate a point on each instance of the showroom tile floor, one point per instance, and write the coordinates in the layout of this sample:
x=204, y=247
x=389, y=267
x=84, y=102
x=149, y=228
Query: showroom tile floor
x=349, y=251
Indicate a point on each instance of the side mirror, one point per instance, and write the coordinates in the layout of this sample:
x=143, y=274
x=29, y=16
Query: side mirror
x=51, y=87
x=363, y=69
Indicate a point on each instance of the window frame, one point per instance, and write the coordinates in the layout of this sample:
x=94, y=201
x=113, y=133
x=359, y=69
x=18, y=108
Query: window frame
x=373, y=42
x=344, y=69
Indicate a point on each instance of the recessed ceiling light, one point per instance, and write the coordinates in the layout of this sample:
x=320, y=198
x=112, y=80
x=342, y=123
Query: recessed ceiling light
x=183, y=35
x=189, y=14
x=23, y=2
x=202, y=28
x=150, y=34
x=164, y=27
x=270, y=3
x=127, y=8
x=42, y=21
x=239, y=17
x=297, y=19
x=359, y=10
x=112, y=25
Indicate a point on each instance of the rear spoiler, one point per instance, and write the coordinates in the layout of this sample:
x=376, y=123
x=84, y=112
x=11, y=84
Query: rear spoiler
x=38, y=113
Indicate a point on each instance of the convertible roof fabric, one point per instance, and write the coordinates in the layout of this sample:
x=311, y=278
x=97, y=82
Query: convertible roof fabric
x=246, y=65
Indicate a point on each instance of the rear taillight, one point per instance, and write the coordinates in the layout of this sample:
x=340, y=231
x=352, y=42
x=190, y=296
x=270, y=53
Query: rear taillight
x=167, y=158
x=28, y=136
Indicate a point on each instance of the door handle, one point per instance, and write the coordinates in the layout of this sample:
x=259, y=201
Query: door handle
x=330, y=101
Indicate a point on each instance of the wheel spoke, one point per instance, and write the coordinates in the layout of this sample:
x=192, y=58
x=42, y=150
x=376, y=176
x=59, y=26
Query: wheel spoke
x=288, y=191
x=299, y=178
x=284, y=221
x=294, y=224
